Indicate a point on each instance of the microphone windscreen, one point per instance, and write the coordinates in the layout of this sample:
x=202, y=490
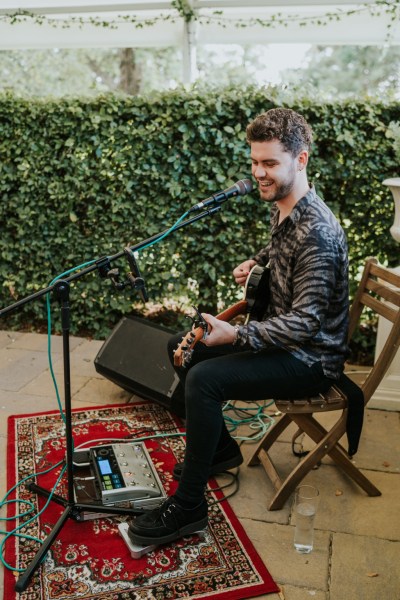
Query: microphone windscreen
x=245, y=186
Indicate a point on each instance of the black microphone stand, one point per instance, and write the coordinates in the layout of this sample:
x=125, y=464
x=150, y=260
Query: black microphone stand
x=61, y=291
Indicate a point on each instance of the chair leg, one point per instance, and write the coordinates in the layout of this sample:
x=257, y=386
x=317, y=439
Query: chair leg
x=309, y=425
x=285, y=488
x=326, y=443
x=269, y=438
x=269, y=468
x=323, y=431
x=352, y=471
x=338, y=454
x=305, y=465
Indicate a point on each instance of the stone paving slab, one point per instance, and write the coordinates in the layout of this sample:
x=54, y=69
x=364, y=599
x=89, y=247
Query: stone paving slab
x=256, y=490
x=380, y=442
x=18, y=367
x=274, y=543
x=80, y=364
x=8, y=338
x=290, y=592
x=20, y=404
x=365, y=568
x=353, y=511
x=43, y=385
x=100, y=391
x=39, y=342
x=89, y=348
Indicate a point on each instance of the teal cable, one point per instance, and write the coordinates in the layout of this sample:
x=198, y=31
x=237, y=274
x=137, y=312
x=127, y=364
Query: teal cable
x=131, y=440
x=170, y=230
x=254, y=421
x=14, y=532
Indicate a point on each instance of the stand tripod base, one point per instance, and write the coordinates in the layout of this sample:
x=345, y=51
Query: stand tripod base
x=24, y=578
x=72, y=511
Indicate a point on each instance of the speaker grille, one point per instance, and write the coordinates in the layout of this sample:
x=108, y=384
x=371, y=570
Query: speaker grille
x=135, y=357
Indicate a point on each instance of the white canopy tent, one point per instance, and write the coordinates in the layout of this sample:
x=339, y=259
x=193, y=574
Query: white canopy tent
x=187, y=23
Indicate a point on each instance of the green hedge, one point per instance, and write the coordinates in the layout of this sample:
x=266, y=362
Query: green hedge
x=80, y=179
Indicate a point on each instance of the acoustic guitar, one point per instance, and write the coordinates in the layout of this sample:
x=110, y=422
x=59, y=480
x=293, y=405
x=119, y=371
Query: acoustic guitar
x=253, y=305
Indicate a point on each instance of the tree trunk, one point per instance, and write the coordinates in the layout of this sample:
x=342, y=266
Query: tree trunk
x=130, y=75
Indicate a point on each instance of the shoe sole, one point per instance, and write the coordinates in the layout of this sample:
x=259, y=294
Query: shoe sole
x=190, y=529
x=231, y=463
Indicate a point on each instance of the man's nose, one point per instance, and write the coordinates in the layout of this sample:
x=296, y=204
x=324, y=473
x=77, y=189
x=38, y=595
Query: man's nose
x=259, y=171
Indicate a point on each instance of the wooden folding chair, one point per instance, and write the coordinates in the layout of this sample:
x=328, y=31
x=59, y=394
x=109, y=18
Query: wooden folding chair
x=379, y=290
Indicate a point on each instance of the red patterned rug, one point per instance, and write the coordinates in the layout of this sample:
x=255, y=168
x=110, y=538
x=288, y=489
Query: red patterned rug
x=89, y=559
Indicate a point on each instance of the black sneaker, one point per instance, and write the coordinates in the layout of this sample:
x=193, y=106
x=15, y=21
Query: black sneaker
x=168, y=522
x=227, y=458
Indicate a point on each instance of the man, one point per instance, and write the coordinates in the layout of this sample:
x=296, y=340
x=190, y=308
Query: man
x=297, y=349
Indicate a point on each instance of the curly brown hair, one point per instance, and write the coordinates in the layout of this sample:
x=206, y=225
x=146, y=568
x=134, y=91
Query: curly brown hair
x=283, y=124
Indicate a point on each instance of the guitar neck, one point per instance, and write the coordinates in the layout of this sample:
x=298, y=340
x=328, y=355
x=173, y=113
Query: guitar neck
x=233, y=311
x=228, y=314
x=183, y=353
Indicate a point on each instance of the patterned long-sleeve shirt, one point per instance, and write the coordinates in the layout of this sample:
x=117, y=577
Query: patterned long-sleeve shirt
x=309, y=297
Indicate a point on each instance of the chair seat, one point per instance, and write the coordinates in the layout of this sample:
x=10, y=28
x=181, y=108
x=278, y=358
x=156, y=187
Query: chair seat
x=333, y=399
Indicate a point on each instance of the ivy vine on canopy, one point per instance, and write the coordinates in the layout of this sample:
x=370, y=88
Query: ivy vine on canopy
x=183, y=9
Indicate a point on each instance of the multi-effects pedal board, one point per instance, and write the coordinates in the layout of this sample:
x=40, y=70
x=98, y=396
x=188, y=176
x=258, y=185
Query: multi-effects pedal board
x=119, y=474
x=125, y=472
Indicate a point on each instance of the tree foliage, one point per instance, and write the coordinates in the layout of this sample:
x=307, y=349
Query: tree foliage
x=349, y=71
x=89, y=71
x=329, y=72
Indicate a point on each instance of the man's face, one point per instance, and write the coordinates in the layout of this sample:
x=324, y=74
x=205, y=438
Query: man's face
x=274, y=169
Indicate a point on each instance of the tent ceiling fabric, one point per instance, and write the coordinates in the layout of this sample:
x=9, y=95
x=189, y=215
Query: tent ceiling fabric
x=359, y=29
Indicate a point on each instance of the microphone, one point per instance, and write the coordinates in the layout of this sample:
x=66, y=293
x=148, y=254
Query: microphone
x=240, y=188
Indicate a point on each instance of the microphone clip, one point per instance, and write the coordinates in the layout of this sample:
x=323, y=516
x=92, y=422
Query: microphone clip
x=134, y=278
x=113, y=275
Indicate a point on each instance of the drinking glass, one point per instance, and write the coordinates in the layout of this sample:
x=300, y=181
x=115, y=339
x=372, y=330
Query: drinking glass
x=305, y=509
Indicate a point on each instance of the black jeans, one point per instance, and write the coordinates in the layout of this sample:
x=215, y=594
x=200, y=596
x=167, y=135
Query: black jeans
x=221, y=373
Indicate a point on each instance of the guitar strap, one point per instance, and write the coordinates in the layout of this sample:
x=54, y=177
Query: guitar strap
x=355, y=416
x=355, y=412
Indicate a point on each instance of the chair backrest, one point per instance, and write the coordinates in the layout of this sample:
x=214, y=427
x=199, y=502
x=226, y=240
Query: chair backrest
x=379, y=290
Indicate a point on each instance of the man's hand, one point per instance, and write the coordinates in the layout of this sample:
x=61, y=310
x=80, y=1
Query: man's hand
x=242, y=271
x=219, y=332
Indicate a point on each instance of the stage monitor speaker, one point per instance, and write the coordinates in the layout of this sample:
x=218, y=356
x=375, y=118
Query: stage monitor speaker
x=135, y=357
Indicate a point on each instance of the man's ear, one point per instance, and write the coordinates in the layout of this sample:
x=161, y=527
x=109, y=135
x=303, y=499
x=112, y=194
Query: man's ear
x=302, y=160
